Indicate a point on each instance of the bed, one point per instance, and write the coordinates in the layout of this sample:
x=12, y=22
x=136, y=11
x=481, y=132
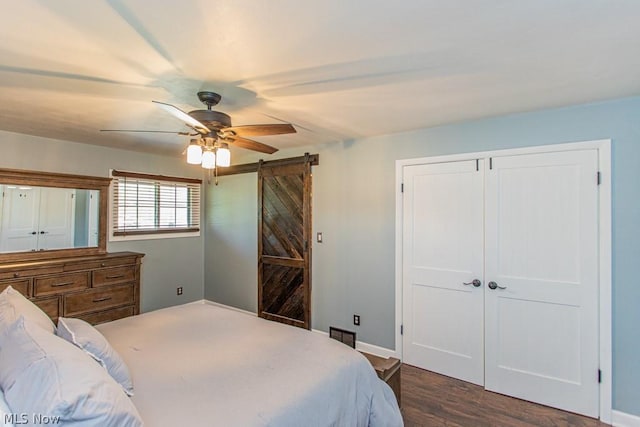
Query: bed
x=202, y=365
x=198, y=364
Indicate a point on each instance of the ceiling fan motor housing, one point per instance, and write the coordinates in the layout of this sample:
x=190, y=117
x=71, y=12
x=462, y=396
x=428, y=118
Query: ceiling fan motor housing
x=211, y=119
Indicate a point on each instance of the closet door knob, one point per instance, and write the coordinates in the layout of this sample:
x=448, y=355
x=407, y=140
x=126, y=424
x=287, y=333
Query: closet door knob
x=475, y=282
x=494, y=285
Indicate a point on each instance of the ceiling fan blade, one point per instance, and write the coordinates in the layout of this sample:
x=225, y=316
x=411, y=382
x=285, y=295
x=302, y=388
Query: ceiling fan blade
x=190, y=121
x=149, y=131
x=250, y=144
x=261, y=130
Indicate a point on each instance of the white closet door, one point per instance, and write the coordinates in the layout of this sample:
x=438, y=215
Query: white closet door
x=541, y=246
x=442, y=250
x=18, y=231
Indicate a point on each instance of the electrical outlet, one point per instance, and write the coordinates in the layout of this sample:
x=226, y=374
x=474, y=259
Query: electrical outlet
x=356, y=319
x=179, y=290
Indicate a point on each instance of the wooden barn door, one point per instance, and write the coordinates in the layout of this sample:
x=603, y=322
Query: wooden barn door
x=284, y=251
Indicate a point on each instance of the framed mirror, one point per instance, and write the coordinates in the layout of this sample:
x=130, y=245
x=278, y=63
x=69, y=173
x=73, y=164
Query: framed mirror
x=49, y=215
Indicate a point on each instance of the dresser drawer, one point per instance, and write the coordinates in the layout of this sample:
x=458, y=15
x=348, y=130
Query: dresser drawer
x=21, y=285
x=62, y=283
x=108, y=315
x=27, y=272
x=110, y=262
x=50, y=305
x=112, y=276
x=98, y=299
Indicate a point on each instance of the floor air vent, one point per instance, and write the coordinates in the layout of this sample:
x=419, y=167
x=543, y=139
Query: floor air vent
x=346, y=337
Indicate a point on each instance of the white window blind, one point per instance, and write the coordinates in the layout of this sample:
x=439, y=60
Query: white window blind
x=154, y=204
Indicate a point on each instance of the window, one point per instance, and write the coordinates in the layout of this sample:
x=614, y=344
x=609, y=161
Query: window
x=154, y=204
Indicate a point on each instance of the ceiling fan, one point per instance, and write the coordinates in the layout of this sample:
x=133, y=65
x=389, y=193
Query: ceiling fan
x=215, y=132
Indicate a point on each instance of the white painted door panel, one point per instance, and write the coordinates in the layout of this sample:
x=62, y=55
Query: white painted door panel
x=541, y=244
x=442, y=250
x=57, y=216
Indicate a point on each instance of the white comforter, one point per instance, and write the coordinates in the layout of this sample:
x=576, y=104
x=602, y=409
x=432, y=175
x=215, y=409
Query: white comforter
x=203, y=365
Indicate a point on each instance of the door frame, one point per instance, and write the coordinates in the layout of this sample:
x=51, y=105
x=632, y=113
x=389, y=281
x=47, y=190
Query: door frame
x=603, y=146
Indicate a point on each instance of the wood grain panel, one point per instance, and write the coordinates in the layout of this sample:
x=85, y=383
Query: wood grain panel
x=98, y=299
x=105, y=262
x=107, y=315
x=21, y=285
x=283, y=291
x=284, y=227
x=112, y=276
x=17, y=270
x=50, y=305
x=282, y=216
x=55, y=284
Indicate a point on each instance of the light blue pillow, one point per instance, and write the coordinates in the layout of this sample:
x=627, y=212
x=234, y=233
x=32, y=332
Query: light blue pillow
x=4, y=412
x=44, y=375
x=88, y=338
x=13, y=305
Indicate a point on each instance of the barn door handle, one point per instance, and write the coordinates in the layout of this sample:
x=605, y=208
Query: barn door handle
x=475, y=282
x=494, y=285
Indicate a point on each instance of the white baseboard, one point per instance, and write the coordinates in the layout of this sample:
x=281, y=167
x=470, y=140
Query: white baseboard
x=621, y=419
x=206, y=301
x=377, y=350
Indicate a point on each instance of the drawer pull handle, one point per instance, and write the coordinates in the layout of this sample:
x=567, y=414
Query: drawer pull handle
x=57, y=285
x=102, y=299
x=119, y=276
x=16, y=275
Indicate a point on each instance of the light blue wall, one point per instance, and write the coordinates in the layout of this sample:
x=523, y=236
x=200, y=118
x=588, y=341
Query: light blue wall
x=168, y=263
x=354, y=206
x=231, y=248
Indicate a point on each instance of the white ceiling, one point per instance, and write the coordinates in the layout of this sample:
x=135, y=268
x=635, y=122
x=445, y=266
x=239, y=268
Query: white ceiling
x=336, y=69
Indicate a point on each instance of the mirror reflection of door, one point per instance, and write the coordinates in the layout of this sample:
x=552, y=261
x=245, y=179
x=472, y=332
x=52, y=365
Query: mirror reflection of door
x=57, y=214
x=19, y=218
x=93, y=215
x=36, y=218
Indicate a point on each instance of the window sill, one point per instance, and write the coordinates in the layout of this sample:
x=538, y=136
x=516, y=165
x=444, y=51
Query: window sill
x=129, y=237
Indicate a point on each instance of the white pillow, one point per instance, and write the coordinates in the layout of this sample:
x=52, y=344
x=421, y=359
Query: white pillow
x=4, y=412
x=88, y=338
x=44, y=375
x=13, y=305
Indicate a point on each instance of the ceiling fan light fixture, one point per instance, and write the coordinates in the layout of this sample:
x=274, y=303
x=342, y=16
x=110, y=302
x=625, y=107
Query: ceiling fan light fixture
x=194, y=153
x=223, y=155
x=208, y=159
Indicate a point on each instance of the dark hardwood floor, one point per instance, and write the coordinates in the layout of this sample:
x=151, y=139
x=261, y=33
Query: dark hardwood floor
x=429, y=399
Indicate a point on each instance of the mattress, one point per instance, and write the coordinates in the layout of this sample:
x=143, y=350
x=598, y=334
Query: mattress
x=204, y=365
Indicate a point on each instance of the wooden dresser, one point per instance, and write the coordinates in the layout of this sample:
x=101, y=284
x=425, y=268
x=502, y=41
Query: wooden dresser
x=97, y=288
